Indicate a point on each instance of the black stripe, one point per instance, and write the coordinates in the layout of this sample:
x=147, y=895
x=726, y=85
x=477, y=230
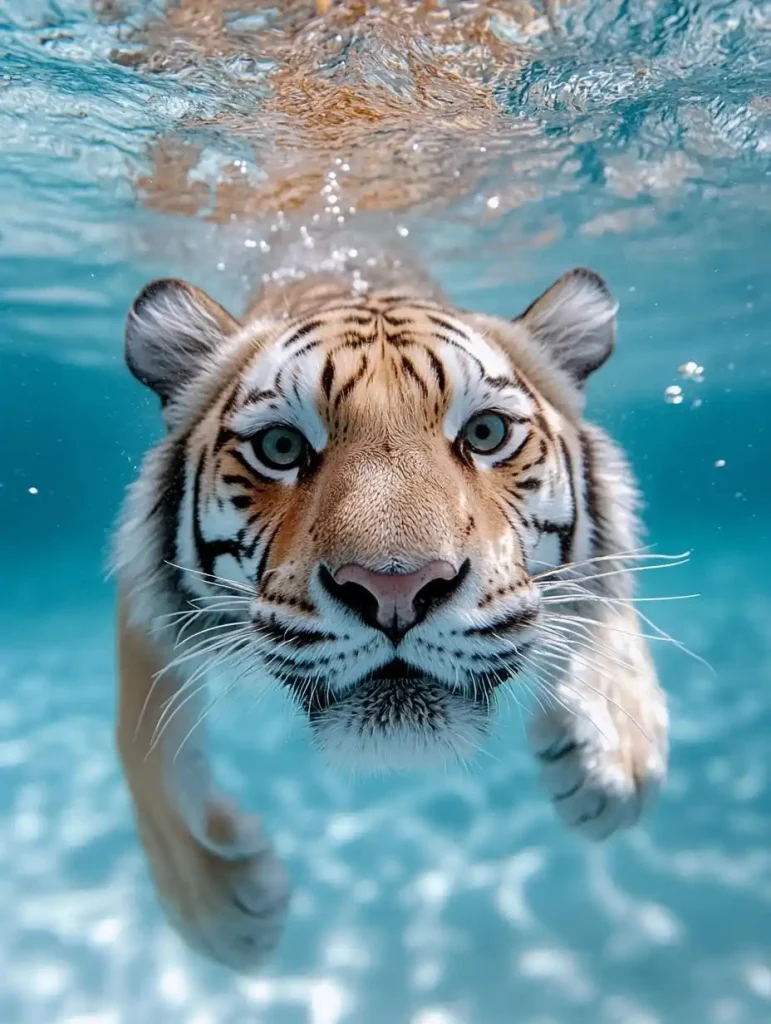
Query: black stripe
x=351, y=341
x=591, y=504
x=514, y=621
x=275, y=630
x=254, y=473
x=264, y=557
x=229, y=478
x=513, y=455
x=231, y=401
x=362, y=320
x=208, y=551
x=301, y=332
x=541, y=422
x=168, y=507
x=351, y=383
x=570, y=533
x=539, y=461
x=307, y=347
x=400, y=339
x=503, y=384
x=224, y=435
x=409, y=368
x=400, y=299
x=436, y=366
x=260, y=396
x=445, y=325
x=252, y=546
x=328, y=376
x=462, y=349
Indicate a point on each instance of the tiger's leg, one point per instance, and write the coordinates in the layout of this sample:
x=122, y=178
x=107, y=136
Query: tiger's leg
x=601, y=739
x=217, y=877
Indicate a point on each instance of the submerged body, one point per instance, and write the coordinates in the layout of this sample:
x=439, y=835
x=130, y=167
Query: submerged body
x=391, y=508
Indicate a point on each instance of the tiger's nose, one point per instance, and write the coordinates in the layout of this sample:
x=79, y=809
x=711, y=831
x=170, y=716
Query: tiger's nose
x=394, y=602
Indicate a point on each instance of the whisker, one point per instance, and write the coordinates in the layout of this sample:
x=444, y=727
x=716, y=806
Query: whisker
x=172, y=706
x=625, y=570
x=621, y=601
x=214, y=580
x=637, y=554
x=199, y=650
x=571, y=638
x=549, y=688
x=663, y=635
x=182, y=639
x=659, y=635
x=604, y=696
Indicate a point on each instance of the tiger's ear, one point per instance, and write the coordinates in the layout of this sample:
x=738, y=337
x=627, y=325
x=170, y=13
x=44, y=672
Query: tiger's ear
x=575, y=322
x=171, y=331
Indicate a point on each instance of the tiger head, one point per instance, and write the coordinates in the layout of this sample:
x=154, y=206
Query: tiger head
x=357, y=500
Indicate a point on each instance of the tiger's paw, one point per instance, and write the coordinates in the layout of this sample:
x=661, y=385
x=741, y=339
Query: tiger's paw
x=600, y=767
x=237, y=894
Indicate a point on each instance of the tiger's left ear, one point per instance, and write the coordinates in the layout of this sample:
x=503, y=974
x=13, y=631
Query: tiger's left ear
x=173, y=329
x=575, y=322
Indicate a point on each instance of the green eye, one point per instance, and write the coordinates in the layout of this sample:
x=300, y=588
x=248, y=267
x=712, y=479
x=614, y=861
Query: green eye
x=485, y=433
x=280, y=447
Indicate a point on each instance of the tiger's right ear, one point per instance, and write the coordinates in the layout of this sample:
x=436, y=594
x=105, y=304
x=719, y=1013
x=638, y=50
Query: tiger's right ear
x=171, y=331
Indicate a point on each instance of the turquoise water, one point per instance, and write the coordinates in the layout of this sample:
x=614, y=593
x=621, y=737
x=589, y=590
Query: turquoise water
x=453, y=898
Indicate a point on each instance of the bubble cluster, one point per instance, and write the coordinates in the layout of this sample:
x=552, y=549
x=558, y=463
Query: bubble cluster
x=692, y=371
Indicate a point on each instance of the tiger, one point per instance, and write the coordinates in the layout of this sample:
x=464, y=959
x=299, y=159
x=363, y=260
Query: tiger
x=391, y=509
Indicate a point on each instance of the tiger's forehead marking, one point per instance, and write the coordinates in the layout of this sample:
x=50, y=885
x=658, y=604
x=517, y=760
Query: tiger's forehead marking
x=319, y=361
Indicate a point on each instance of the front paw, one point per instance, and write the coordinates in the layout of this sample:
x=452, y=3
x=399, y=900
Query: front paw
x=600, y=767
x=236, y=894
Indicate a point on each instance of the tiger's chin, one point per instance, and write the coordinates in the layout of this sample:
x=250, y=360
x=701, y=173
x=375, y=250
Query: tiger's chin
x=398, y=720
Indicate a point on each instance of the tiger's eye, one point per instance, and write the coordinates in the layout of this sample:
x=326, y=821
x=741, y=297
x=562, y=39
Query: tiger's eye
x=485, y=433
x=280, y=447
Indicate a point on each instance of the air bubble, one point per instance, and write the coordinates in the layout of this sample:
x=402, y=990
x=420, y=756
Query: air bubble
x=673, y=394
x=719, y=463
x=494, y=202
x=401, y=230
x=692, y=371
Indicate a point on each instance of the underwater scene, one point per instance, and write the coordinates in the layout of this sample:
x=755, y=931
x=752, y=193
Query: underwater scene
x=494, y=144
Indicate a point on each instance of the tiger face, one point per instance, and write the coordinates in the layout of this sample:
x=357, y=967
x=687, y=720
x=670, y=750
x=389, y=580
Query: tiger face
x=359, y=501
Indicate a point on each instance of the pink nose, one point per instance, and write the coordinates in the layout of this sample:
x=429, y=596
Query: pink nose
x=399, y=599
